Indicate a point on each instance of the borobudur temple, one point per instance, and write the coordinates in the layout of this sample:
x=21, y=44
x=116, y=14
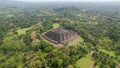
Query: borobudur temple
x=60, y=35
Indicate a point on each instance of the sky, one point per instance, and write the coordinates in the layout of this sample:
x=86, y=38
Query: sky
x=68, y=0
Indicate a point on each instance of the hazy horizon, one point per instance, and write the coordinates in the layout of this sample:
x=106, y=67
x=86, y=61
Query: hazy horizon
x=68, y=0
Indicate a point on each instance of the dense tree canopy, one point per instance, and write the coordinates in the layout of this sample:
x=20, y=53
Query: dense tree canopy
x=22, y=46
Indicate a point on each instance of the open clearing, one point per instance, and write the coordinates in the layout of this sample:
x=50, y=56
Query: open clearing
x=85, y=62
x=23, y=31
x=56, y=25
x=111, y=53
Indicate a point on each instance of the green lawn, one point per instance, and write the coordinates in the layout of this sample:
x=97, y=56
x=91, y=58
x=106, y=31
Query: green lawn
x=56, y=25
x=84, y=62
x=119, y=57
x=77, y=41
x=23, y=31
x=9, y=15
x=111, y=53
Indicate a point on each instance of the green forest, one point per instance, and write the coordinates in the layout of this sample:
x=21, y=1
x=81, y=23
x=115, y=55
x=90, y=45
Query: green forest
x=22, y=46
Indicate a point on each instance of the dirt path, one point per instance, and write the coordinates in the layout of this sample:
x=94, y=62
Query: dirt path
x=92, y=63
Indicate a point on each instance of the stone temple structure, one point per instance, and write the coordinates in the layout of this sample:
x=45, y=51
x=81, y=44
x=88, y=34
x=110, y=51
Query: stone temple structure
x=60, y=35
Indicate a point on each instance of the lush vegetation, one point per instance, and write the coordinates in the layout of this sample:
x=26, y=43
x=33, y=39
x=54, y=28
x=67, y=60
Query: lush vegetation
x=21, y=44
x=85, y=62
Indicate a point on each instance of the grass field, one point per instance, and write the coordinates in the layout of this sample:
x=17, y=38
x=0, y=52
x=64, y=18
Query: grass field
x=9, y=15
x=56, y=25
x=23, y=31
x=85, y=62
x=78, y=40
x=119, y=57
x=111, y=53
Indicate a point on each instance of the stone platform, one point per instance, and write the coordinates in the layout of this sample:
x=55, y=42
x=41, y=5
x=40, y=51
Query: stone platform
x=60, y=36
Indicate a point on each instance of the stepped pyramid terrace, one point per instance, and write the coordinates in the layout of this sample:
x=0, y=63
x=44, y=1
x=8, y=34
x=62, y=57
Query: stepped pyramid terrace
x=60, y=35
